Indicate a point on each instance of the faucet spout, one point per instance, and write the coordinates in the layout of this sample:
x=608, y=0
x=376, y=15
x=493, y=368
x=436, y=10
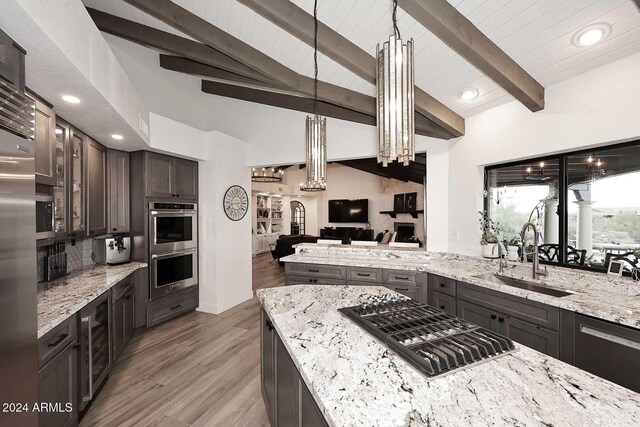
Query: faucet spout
x=536, y=243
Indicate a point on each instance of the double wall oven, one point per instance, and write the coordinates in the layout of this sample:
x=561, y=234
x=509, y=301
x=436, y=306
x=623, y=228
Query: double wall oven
x=173, y=247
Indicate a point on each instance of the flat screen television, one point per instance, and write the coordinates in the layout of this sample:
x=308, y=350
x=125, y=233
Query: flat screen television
x=349, y=210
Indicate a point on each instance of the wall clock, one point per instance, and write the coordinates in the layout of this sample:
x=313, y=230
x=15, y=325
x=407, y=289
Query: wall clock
x=236, y=203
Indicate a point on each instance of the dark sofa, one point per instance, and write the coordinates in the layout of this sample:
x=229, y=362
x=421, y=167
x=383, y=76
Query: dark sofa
x=284, y=244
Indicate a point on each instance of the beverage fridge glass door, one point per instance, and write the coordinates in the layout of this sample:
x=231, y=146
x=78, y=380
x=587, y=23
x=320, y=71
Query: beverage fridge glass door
x=170, y=272
x=95, y=347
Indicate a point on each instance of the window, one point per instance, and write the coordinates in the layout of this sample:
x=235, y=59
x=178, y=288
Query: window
x=586, y=205
x=297, y=218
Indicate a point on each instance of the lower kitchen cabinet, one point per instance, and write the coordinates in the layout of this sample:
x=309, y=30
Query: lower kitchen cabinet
x=172, y=305
x=123, y=305
x=58, y=389
x=444, y=302
x=286, y=397
x=406, y=290
x=58, y=376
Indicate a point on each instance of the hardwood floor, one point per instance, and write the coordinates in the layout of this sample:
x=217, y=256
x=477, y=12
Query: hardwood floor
x=199, y=369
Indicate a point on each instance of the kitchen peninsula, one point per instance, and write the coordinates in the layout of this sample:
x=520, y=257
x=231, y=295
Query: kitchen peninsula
x=364, y=381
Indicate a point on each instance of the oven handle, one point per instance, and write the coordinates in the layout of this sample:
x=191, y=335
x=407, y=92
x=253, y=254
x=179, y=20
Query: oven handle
x=174, y=254
x=90, y=351
x=156, y=212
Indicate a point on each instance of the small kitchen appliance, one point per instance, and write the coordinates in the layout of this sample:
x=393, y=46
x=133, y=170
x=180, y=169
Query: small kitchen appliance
x=111, y=250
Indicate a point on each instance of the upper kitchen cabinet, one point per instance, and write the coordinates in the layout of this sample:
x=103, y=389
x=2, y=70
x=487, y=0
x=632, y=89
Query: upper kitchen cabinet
x=171, y=177
x=61, y=186
x=96, y=188
x=186, y=182
x=45, y=143
x=78, y=145
x=118, y=192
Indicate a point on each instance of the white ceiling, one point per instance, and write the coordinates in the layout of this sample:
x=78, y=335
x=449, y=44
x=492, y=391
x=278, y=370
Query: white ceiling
x=537, y=34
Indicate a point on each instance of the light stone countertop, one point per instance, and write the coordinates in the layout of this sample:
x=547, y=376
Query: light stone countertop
x=357, y=381
x=596, y=294
x=66, y=296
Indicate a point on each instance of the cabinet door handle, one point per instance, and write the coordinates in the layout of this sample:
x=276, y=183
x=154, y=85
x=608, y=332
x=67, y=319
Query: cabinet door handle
x=87, y=320
x=311, y=270
x=59, y=340
x=493, y=317
x=401, y=277
x=500, y=319
x=115, y=229
x=442, y=285
x=401, y=289
x=175, y=306
x=442, y=307
x=269, y=325
x=364, y=274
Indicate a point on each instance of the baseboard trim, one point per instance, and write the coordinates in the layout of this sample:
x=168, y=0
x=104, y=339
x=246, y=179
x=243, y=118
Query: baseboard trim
x=225, y=305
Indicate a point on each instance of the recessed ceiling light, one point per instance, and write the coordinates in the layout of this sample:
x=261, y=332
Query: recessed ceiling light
x=468, y=93
x=117, y=137
x=591, y=34
x=71, y=99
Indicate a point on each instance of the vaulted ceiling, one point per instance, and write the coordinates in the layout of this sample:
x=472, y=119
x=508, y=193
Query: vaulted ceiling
x=536, y=34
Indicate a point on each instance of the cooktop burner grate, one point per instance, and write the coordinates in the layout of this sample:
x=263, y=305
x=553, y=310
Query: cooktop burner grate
x=433, y=341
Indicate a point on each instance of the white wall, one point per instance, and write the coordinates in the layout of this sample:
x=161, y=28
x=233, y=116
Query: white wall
x=224, y=245
x=348, y=183
x=598, y=107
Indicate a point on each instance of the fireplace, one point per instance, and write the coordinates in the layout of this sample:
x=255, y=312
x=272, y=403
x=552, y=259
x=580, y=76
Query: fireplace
x=405, y=231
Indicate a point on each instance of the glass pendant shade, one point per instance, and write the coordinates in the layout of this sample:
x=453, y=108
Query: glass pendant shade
x=316, y=154
x=395, y=101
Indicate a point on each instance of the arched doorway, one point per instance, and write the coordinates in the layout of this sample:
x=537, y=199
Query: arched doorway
x=297, y=218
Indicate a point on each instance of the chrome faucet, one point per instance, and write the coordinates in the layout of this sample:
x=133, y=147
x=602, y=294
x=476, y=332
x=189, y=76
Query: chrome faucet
x=536, y=241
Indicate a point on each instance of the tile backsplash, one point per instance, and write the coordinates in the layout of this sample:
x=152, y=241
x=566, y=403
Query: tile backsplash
x=78, y=257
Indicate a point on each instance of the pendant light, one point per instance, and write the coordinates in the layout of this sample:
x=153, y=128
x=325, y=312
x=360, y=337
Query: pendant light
x=315, y=129
x=395, y=98
x=266, y=175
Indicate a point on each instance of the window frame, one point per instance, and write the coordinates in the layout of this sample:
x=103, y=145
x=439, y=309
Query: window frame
x=562, y=159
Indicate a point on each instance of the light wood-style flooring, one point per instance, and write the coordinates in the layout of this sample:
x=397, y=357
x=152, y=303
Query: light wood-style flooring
x=199, y=369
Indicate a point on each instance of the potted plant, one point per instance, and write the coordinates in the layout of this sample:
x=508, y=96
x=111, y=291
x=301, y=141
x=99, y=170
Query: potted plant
x=489, y=239
x=513, y=248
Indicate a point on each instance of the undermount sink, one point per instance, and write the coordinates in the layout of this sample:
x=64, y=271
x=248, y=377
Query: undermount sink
x=523, y=284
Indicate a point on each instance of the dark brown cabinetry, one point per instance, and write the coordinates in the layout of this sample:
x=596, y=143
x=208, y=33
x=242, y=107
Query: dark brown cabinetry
x=286, y=397
x=96, y=188
x=45, y=143
x=123, y=298
x=58, y=375
x=118, y=210
x=170, y=177
x=171, y=306
x=61, y=189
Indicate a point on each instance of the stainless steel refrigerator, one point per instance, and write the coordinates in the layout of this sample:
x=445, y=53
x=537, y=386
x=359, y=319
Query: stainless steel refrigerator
x=18, y=280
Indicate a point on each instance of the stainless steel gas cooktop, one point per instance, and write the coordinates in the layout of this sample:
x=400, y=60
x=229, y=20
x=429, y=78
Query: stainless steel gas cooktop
x=433, y=341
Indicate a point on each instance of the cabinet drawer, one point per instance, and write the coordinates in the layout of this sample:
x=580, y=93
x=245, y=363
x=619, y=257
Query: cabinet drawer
x=315, y=270
x=401, y=277
x=442, y=284
x=521, y=308
x=535, y=337
x=302, y=280
x=171, y=306
x=364, y=275
x=409, y=291
x=443, y=302
x=54, y=341
x=121, y=288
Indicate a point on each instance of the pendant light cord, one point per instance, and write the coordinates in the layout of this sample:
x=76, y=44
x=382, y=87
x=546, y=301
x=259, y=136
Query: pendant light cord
x=396, y=31
x=315, y=57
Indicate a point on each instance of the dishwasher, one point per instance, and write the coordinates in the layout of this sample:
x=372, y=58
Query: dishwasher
x=608, y=350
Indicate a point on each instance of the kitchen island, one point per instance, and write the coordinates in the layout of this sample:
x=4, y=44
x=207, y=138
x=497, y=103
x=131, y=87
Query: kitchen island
x=355, y=380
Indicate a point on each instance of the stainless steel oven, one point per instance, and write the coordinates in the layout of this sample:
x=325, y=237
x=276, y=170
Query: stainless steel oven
x=172, y=271
x=172, y=227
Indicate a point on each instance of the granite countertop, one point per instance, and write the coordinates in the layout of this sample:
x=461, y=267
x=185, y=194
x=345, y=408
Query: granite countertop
x=358, y=381
x=62, y=298
x=596, y=294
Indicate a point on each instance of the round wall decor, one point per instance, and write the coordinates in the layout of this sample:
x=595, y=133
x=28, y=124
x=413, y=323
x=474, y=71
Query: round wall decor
x=236, y=203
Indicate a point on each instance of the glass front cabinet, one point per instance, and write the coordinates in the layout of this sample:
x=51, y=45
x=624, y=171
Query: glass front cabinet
x=60, y=187
x=77, y=176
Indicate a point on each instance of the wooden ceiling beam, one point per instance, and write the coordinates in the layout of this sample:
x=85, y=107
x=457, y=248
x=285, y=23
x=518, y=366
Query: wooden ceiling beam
x=188, y=66
x=170, y=43
x=291, y=102
x=457, y=32
x=637, y=2
x=300, y=24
